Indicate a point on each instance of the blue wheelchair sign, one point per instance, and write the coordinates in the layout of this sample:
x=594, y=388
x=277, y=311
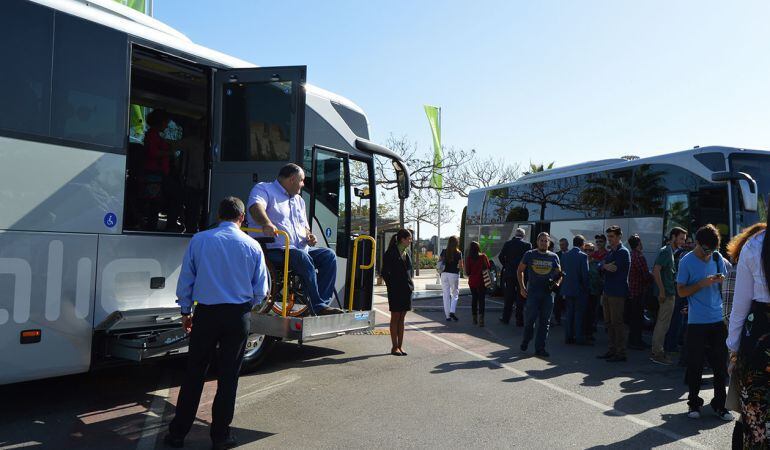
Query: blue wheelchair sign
x=328, y=232
x=110, y=220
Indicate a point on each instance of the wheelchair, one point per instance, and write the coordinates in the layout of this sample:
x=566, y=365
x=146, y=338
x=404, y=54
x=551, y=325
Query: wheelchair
x=297, y=303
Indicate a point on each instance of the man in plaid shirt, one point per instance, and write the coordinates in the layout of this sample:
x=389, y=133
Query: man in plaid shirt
x=639, y=279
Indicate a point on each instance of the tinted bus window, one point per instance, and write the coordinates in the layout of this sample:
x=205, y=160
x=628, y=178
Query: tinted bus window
x=25, y=79
x=354, y=120
x=475, y=207
x=90, y=83
x=648, y=190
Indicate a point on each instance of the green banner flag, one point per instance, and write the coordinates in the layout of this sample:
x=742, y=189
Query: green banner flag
x=139, y=5
x=434, y=119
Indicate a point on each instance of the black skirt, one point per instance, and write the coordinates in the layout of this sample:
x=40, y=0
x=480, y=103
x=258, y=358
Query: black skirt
x=399, y=301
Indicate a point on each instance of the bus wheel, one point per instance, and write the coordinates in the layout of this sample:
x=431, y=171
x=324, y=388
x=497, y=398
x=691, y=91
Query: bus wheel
x=258, y=346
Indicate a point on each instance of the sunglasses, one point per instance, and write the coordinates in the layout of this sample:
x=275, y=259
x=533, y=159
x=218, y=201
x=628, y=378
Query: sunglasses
x=707, y=250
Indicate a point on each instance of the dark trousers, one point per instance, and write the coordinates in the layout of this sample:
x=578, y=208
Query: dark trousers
x=677, y=326
x=706, y=340
x=591, y=314
x=539, y=309
x=511, y=293
x=635, y=319
x=559, y=306
x=478, y=300
x=574, y=327
x=226, y=325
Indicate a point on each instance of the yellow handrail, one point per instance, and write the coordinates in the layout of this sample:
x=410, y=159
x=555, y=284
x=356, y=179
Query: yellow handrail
x=362, y=266
x=285, y=263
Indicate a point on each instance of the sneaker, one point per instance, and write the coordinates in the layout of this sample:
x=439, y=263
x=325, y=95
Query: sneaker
x=661, y=359
x=724, y=414
x=448, y=319
x=694, y=413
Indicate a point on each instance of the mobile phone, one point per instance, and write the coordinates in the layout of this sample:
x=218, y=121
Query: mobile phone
x=721, y=276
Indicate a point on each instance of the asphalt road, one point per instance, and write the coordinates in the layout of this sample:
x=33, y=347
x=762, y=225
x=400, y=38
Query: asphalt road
x=460, y=386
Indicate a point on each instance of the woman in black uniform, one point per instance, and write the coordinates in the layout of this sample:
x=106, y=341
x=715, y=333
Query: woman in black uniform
x=397, y=273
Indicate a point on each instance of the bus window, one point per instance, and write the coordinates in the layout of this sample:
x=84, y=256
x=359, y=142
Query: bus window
x=25, y=80
x=475, y=207
x=677, y=212
x=331, y=199
x=89, y=93
x=361, y=197
x=256, y=124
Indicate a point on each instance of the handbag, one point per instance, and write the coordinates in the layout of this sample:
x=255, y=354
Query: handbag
x=486, y=276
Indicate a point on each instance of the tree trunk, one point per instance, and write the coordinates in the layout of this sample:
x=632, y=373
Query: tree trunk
x=401, y=212
x=417, y=253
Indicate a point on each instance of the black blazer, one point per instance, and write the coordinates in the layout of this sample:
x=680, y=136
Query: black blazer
x=397, y=273
x=511, y=254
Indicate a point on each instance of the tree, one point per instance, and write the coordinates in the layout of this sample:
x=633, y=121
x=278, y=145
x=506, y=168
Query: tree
x=423, y=208
x=481, y=173
x=535, y=168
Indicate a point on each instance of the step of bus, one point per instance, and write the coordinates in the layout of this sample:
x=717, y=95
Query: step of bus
x=311, y=328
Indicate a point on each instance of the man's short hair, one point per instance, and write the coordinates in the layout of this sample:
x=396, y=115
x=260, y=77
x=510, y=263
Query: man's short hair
x=544, y=233
x=600, y=236
x=708, y=236
x=520, y=232
x=675, y=232
x=615, y=229
x=289, y=170
x=634, y=241
x=231, y=208
x=578, y=241
x=563, y=240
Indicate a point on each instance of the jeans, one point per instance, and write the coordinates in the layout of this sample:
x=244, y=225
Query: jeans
x=577, y=307
x=511, y=294
x=706, y=340
x=225, y=326
x=539, y=308
x=450, y=285
x=319, y=287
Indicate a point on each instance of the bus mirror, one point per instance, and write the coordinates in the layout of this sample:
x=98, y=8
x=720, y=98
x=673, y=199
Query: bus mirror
x=402, y=179
x=747, y=185
x=749, y=194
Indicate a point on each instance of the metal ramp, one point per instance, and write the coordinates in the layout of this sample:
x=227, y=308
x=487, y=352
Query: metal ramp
x=311, y=328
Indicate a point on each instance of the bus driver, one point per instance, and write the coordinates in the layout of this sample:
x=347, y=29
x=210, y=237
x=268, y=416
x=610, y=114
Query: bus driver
x=279, y=206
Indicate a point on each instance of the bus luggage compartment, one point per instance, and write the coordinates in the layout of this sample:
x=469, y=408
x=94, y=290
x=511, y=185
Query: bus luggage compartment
x=311, y=328
x=140, y=334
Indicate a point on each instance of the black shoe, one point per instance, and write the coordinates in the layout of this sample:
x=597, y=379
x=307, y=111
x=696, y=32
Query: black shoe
x=607, y=355
x=585, y=343
x=542, y=353
x=329, y=310
x=617, y=358
x=448, y=319
x=569, y=341
x=503, y=321
x=453, y=317
x=173, y=442
x=523, y=346
x=520, y=324
x=230, y=442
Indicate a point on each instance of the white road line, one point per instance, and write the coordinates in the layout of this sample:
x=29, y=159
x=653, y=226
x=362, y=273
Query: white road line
x=600, y=406
x=153, y=423
x=270, y=387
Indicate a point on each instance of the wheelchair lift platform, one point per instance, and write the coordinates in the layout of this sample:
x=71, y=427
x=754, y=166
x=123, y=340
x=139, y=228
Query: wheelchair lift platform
x=311, y=328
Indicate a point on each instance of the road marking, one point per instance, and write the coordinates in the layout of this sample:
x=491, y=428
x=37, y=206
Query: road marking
x=153, y=422
x=600, y=406
x=270, y=387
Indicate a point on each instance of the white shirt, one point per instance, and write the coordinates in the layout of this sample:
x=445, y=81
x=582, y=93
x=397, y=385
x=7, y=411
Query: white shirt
x=750, y=285
x=286, y=212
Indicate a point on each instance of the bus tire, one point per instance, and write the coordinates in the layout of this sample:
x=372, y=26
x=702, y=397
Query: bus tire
x=257, y=349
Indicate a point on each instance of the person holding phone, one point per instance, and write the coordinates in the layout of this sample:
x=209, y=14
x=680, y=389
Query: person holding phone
x=700, y=274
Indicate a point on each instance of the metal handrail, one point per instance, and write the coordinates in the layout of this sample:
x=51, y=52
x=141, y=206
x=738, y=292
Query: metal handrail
x=362, y=266
x=285, y=263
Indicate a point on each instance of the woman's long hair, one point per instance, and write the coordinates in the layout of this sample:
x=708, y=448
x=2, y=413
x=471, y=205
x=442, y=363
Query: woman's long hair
x=736, y=244
x=474, y=250
x=400, y=234
x=766, y=252
x=452, y=252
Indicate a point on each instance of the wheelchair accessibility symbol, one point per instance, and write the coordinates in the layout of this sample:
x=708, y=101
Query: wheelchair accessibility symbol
x=328, y=232
x=110, y=220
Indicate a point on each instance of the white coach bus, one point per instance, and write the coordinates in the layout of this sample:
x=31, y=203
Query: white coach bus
x=725, y=186
x=91, y=239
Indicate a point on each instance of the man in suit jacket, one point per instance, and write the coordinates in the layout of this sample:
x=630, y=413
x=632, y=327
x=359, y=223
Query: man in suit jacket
x=510, y=257
x=574, y=288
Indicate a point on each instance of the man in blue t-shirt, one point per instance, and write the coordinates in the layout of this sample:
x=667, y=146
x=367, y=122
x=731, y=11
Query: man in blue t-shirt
x=543, y=276
x=700, y=273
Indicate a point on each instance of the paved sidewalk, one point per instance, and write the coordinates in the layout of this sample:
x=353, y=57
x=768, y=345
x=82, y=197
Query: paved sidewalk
x=421, y=282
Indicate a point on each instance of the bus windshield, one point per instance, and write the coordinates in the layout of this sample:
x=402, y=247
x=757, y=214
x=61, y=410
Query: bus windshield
x=758, y=166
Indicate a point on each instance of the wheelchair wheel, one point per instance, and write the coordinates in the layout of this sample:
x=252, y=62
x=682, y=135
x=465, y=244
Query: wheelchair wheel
x=297, y=302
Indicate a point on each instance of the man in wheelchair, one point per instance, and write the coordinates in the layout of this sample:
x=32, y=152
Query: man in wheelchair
x=279, y=206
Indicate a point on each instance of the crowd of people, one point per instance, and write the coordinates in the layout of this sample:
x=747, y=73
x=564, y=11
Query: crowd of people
x=710, y=310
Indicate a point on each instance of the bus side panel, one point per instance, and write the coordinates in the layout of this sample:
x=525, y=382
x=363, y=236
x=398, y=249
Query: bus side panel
x=45, y=187
x=570, y=228
x=127, y=263
x=46, y=284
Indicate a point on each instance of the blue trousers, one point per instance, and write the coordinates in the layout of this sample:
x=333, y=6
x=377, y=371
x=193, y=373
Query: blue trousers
x=575, y=327
x=538, y=309
x=319, y=287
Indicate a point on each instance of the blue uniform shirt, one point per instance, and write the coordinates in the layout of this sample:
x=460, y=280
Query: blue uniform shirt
x=222, y=265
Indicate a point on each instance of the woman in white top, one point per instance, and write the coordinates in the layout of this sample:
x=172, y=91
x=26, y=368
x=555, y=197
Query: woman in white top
x=748, y=339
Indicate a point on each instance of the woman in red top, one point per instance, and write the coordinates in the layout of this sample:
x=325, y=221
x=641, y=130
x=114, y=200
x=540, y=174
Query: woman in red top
x=475, y=265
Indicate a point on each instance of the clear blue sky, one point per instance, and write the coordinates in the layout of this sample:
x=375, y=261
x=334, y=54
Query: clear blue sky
x=560, y=81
